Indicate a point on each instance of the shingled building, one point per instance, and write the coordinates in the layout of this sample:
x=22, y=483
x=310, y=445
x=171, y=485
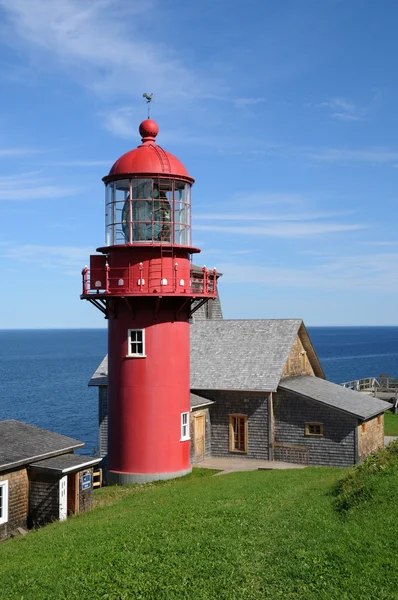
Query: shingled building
x=258, y=391
x=41, y=479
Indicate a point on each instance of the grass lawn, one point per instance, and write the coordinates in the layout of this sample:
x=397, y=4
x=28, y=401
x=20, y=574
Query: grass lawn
x=390, y=424
x=242, y=536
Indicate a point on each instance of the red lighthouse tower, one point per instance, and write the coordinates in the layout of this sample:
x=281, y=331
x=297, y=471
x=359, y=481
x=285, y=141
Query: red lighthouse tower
x=143, y=282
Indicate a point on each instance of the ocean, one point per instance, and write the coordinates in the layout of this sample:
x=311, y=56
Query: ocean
x=44, y=373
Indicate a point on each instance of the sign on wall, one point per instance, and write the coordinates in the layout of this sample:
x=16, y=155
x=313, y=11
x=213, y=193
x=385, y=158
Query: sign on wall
x=86, y=481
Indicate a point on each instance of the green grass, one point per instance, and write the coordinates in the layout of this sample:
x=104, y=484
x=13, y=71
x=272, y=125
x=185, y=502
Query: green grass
x=390, y=423
x=251, y=535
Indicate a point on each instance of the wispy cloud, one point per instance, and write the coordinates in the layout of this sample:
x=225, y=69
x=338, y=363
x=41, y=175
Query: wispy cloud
x=81, y=163
x=357, y=272
x=373, y=155
x=310, y=216
x=342, y=109
x=13, y=152
x=106, y=44
x=30, y=186
x=61, y=257
x=283, y=230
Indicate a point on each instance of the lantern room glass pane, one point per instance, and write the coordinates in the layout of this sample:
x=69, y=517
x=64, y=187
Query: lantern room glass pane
x=148, y=210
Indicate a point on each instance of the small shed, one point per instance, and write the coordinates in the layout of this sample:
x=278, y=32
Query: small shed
x=41, y=479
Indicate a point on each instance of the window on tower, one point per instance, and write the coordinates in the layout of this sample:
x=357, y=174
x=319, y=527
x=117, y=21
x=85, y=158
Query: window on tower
x=184, y=426
x=136, y=342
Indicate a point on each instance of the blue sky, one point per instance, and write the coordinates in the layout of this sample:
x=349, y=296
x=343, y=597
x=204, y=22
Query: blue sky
x=284, y=112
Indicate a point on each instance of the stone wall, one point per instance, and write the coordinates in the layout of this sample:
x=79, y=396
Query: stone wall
x=18, y=491
x=298, y=362
x=370, y=436
x=254, y=406
x=336, y=447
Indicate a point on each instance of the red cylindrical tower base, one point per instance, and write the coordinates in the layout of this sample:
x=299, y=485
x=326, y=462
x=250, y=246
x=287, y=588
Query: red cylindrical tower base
x=148, y=394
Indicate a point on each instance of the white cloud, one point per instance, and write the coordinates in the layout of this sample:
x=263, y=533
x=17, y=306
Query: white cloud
x=105, y=43
x=309, y=216
x=342, y=109
x=11, y=152
x=283, y=230
x=365, y=273
x=29, y=186
x=373, y=155
x=70, y=258
x=81, y=163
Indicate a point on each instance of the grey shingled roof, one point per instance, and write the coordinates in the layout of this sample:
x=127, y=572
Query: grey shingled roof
x=66, y=463
x=244, y=354
x=198, y=401
x=355, y=403
x=238, y=354
x=100, y=377
x=21, y=444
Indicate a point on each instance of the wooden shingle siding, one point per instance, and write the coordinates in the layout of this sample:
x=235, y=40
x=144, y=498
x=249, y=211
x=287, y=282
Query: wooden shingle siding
x=337, y=445
x=256, y=410
x=86, y=497
x=103, y=420
x=18, y=489
x=370, y=437
x=211, y=310
x=298, y=362
x=43, y=499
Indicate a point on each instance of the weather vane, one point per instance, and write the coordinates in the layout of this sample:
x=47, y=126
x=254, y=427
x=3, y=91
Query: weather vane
x=148, y=98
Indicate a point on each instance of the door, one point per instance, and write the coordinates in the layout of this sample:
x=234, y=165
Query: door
x=199, y=438
x=63, y=498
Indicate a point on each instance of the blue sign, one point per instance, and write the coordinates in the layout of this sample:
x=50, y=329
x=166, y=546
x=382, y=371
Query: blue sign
x=86, y=481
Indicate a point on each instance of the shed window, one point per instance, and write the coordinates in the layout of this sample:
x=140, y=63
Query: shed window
x=238, y=433
x=136, y=342
x=314, y=429
x=184, y=426
x=3, y=502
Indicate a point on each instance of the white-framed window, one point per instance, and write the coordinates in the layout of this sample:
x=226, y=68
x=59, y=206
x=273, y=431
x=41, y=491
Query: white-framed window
x=3, y=502
x=184, y=426
x=136, y=342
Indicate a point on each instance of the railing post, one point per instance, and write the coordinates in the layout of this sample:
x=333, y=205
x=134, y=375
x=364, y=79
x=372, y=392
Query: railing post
x=85, y=280
x=205, y=280
x=175, y=276
x=141, y=266
x=107, y=269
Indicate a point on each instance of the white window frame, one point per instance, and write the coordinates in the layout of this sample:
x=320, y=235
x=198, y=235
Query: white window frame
x=137, y=354
x=185, y=435
x=4, y=508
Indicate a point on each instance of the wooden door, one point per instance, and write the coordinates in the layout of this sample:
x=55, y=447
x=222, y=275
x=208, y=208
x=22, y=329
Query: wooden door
x=199, y=438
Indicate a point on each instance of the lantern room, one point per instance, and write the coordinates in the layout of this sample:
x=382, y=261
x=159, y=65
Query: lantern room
x=148, y=210
x=148, y=196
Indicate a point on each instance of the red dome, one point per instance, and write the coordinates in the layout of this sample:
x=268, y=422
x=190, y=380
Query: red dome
x=149, y=158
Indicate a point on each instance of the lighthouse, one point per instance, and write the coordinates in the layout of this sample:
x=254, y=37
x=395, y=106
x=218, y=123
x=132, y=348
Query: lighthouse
x=143, y=281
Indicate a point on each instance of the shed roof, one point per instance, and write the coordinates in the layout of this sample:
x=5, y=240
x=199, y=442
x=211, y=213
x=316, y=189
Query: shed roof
x=336, y=396
x=199, y=401
x=21, y=444
x=242, y=354
x=66, y=463
x=100, y=376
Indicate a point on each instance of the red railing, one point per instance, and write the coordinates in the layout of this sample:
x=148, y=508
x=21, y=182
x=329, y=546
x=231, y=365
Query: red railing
x=159, y=280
